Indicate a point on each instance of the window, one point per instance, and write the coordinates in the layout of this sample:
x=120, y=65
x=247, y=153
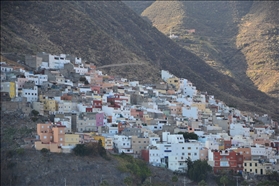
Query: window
x=250, y=164
x=256, y=165
x=189, y=147
x=245, y=164
x=189, y=154
x=182, y=147
x=45, y=137
x=61, y=139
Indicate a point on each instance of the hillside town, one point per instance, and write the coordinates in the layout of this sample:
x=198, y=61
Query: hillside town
x=147, y=121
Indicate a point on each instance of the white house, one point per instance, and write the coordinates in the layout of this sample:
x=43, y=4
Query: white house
x=187, y=88
x=261, y=150
x=57, y=62
x=122, y=144
x=77, y=60
x=66, y=121
x=38, y=78
x=134, y=83
x=239, y=129
x=65, y=106
x=174, y=151
x=190, y=112
x=30, y=93
x=166, y=75
x=5, y=68
x=80, y=69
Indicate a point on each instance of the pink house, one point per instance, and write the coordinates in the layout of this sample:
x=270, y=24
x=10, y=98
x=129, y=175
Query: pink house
x=100, y=119
x=21, y=81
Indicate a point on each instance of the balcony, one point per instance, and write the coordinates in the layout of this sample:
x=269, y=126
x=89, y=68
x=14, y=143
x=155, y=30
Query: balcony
x=224, y=164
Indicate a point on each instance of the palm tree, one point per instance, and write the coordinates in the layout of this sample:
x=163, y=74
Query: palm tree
x=224, y=180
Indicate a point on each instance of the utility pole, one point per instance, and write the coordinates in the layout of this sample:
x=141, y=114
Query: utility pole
x=65, y=181
x=150, y=180
x=184, y=181
x=236, y=180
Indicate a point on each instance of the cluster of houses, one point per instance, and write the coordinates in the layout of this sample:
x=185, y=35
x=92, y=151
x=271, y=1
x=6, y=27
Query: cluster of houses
x=84, y=105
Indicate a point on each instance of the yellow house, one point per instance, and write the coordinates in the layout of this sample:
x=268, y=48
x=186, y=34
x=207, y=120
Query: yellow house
x=9, y=87
x=12, y=89
x=71, y=139
x=175, y=81
x=200, y=106
x=49, y=104
x=97, y=97
x=97, y=138
x=147, y=119
x=162, y=91
x=256, y=167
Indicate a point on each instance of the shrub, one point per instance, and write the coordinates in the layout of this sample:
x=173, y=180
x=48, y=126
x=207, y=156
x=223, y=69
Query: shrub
x=35, y=113
x=44, y=150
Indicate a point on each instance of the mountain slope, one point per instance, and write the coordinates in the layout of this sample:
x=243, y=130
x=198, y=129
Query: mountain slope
x=231, y=36
x=259, y=33
x=108, y=33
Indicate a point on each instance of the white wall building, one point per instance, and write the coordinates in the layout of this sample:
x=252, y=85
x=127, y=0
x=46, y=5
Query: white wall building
x=38, y=78
x=5, y=68
x=57, y=62
x=190, y=112
x=239, y=129
x=80, y=69
x=174, y=150
x=30, y=93
x=187, y=88
x=166, y=75
x=122, y=144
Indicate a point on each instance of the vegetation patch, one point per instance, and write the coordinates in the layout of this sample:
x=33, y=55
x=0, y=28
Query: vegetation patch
x=138, y=168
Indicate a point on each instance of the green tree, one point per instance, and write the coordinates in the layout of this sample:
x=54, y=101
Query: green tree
x=86, y=82
x=174, y=179
x=273, y=175
x=101, y=149
x=80, y=150
x=188, y=135
x=82, y=78
x=35, y=113
x=197, y=170
x=138, y=168
x=202, y=183
x=44, y=151
x=224, y=180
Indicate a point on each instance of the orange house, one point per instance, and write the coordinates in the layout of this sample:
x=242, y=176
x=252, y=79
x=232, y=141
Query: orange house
x=52, y=137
